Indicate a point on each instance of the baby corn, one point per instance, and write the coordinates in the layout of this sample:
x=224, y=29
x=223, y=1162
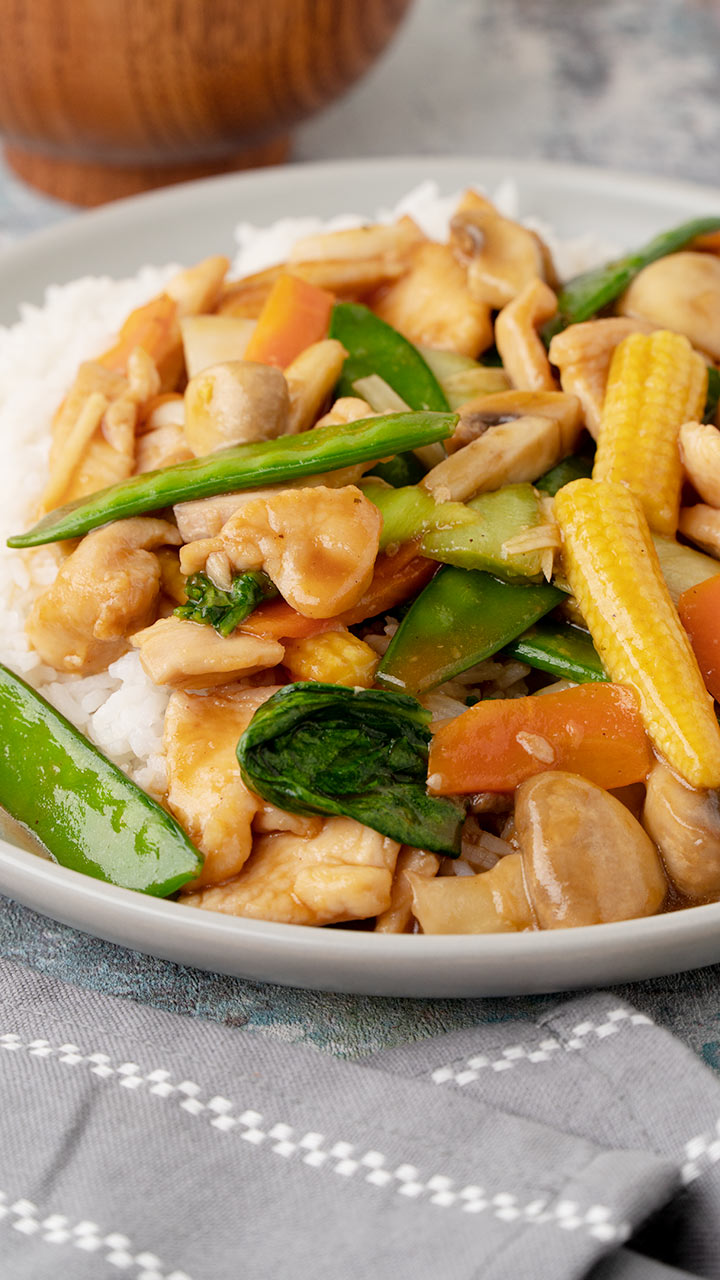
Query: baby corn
x=334, y=657
x=655, y=384
x=614, y=573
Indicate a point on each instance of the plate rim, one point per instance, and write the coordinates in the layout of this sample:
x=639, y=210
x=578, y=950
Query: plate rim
x=40, y=877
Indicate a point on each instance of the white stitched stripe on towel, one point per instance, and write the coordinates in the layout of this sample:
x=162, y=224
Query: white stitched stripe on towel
x=26, y=1218
x=320, y=1152
x=542, y=1051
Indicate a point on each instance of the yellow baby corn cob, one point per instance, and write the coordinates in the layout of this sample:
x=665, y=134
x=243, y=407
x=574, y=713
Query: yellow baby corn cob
x=614, y=573
x=655, y=384
x=335, y=657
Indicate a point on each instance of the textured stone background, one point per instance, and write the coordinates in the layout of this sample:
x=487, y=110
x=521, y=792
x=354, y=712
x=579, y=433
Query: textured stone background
x=627, y=84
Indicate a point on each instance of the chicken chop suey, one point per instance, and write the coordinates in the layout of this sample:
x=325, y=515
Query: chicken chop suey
x=424, y=547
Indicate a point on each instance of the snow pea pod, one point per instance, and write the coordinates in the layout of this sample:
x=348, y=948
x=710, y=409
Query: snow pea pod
x=586, y=294
x=560, y=649
x=462, y=617
x=375, y=347
x=83, y=809
x=244, y=466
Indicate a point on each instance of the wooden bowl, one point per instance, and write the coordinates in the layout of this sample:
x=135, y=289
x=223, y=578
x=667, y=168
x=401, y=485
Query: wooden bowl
x=105, y=98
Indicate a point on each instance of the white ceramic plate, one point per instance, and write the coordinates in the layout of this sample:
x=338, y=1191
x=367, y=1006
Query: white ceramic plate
x=183, y=224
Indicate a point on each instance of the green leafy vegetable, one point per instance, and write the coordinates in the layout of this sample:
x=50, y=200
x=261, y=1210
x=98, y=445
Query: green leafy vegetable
x=586, y=294
x=225, y=610
x=324, y=748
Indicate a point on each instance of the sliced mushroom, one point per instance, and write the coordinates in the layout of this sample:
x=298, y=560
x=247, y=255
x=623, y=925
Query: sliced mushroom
x=498, y=407
x=399, y=917
x=235, y=403
x=433, y=306
x=701, y=524
x=685, y=825
x=494, y=901
x=586, y=859
x=318, y=546
x=310, y=380
x=509, y=453
x=700, y=454
x=516, y=336
x=679, y=292
x=190, y=655
x=582, y=355
x=501, y=256
x=343, y=873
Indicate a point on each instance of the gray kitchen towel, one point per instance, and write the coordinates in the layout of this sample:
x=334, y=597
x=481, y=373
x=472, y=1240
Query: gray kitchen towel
x=141, y=1144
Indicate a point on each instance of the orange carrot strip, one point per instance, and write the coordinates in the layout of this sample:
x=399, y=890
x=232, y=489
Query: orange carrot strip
x=699, y=609
x=594, y=730
x=295, y=315
x=154, y=327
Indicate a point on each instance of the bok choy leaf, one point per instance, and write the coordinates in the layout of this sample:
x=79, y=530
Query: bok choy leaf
x=324, y=748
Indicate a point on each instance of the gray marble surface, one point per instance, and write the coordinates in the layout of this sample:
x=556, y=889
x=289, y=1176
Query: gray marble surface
x=629, y=84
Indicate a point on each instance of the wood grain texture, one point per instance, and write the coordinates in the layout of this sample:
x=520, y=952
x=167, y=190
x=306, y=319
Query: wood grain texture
x=162, y=90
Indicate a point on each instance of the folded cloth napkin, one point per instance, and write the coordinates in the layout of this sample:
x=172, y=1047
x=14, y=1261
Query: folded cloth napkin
x=146, y=1145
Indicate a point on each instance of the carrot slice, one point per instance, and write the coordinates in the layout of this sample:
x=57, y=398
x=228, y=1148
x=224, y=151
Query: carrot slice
x=395, y=579
x=155, y=328
x=594, y=730
x=295, y=315
x=699, y=609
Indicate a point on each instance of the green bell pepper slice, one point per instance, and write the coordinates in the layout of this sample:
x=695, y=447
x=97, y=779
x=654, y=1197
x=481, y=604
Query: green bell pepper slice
x=560, y=649
x=83, y=809
x=462, y=617
x=245, y=466
x=583, y=296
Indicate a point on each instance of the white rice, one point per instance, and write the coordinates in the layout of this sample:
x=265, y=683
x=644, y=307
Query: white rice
x=121, y=710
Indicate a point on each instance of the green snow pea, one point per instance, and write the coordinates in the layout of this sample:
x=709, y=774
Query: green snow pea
x=562, y=650
x=375, y=347
x=586, y=294
x=83, y=809
x=462, y=617
x=577, y=467
x=244, y=466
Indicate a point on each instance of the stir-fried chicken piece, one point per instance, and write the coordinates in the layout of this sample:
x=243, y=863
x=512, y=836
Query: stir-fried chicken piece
x=104, y=591
x=700, y=455
x=342, y=873
x=701, y=525
x=163, y=447
x=350, y=264
x=516, y=335
x=433, y=306
x=190, y=655
x=318, y=546
x=582, y=354
x=205, y=790
x=197, y=289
